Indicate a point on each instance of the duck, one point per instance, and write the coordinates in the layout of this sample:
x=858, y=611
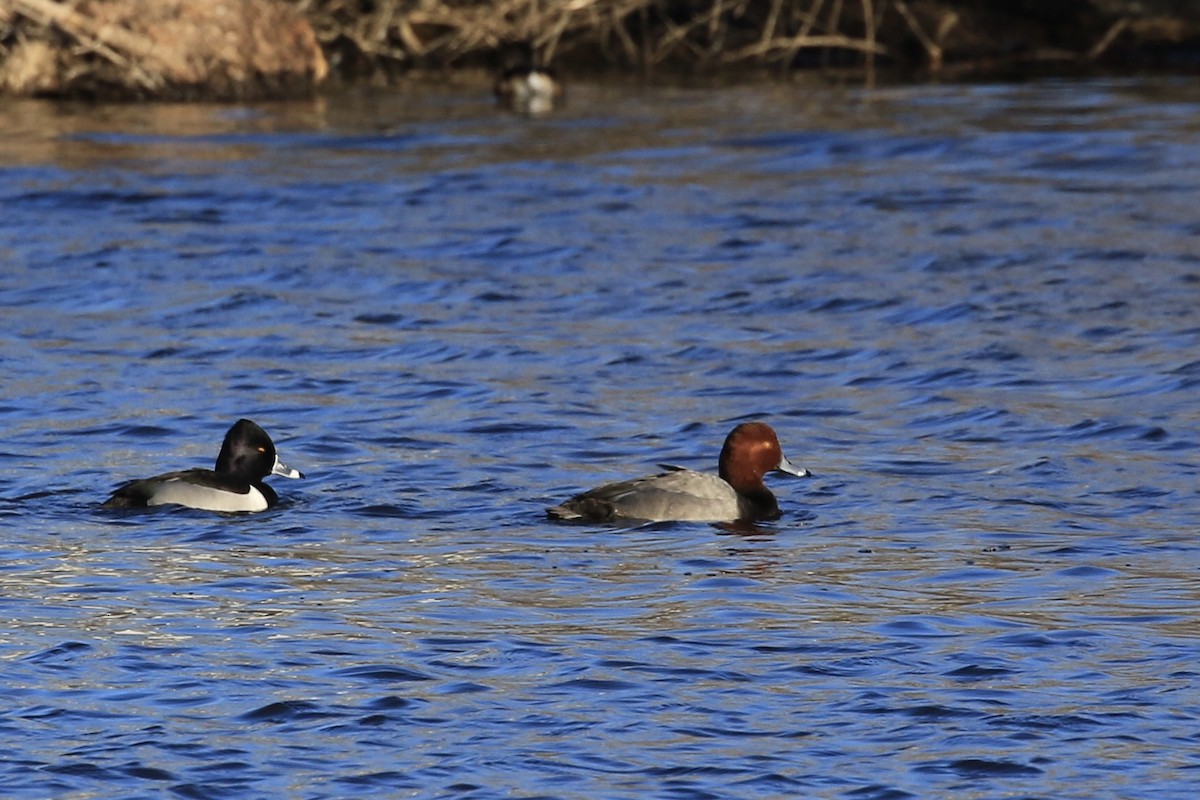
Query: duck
x=736, y=494
x=524, y=84
x=236, y=484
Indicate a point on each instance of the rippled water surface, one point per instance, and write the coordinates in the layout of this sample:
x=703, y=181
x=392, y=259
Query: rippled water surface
x=972, y=312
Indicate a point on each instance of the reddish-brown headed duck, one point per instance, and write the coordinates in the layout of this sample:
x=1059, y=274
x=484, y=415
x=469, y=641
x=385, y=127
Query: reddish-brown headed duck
x=751, y=450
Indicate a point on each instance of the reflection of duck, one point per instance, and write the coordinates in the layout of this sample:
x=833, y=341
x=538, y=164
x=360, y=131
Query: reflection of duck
x=524, y=84
x=751, y=450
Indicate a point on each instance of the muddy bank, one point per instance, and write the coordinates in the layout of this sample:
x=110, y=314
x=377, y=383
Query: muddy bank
x=248, y=49
x=158, y=49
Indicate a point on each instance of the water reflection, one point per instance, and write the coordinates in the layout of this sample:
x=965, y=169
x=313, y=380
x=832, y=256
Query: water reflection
x=971, y=310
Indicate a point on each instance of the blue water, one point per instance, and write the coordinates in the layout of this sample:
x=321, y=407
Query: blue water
x=972, y=312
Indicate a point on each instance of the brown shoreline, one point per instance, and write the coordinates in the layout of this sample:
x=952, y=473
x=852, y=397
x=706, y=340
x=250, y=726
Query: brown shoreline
x=259, y=49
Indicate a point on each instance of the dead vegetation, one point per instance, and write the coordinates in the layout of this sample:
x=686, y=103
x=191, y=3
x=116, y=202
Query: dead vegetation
x=219, y=49
x=597, y=34
x=916, y=37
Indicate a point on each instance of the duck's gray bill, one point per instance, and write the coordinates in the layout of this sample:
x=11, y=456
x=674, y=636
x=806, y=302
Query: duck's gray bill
x=284, y=471
x=792, y=469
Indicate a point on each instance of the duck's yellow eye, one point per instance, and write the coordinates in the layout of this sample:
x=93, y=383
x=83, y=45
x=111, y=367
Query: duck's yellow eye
x=262, y=449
